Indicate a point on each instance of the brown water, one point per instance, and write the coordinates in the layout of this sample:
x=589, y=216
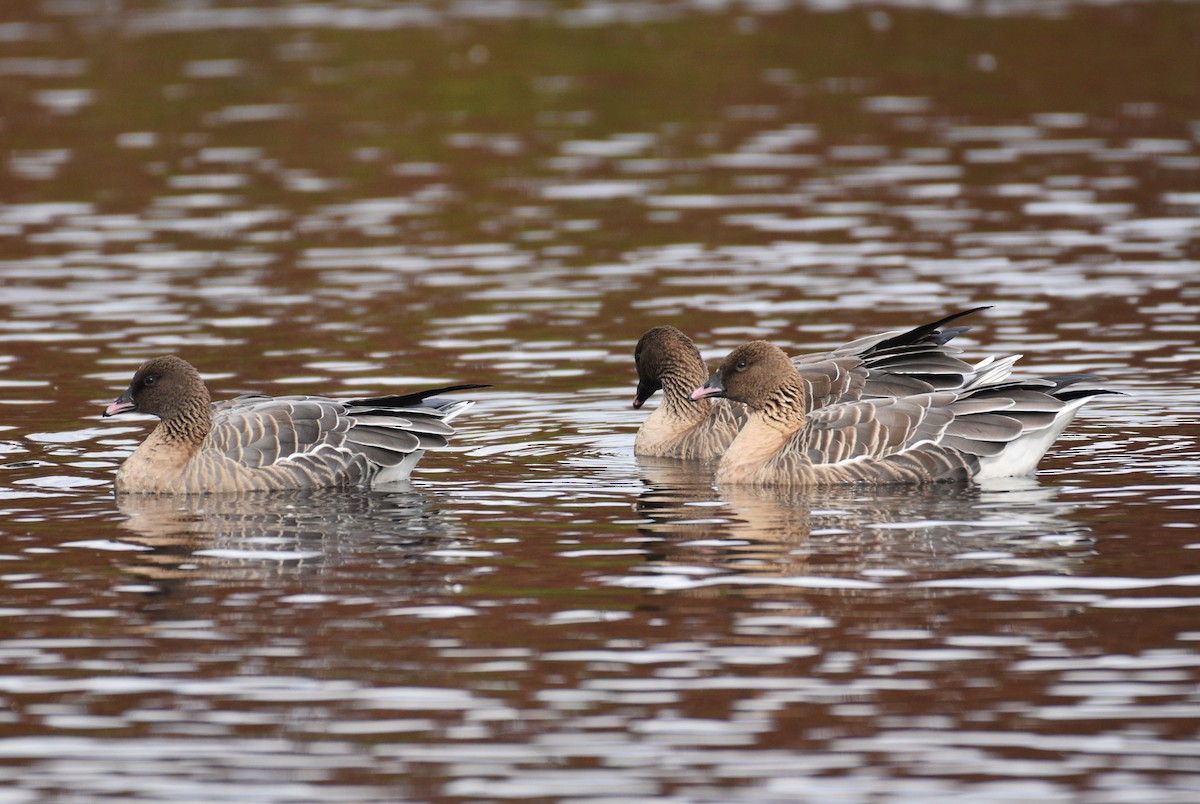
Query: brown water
x=358, y=198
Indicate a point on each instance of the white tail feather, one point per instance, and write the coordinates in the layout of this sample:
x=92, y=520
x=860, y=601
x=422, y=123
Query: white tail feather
x=1020, y=457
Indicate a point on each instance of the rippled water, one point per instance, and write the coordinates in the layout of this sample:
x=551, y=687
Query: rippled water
x=362, y=198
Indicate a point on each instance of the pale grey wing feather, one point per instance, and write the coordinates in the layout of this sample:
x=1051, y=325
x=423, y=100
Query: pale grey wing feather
x=264, y=443
x=905, y=371
x=411, y=423
x=874, y=441
x=1031, y=420
x=260, y=431
x=389, y=435
x=874, y=427
x=380, y=456
x=987, y=427
x=991, y=417
x=978, y=422
x=388, y=447
x=392, y=439
x=982, y=434
x=830, y=380
x=921, y=362
x=968, y=404
x=915, y=361
x=424, y=421
x=1030, y=400
x=403, y=441
x=969, y=446
x=887, y=385
x=897, y=372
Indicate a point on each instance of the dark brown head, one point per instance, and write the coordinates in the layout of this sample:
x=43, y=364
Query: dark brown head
x=753, y=374
x=661, y=353
x=163, y=386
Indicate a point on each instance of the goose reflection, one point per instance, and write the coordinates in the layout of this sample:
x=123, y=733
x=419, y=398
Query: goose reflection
x=850, y=532
x=261, y=533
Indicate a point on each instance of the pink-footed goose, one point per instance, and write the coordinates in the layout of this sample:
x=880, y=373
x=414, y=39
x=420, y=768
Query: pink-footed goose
x=261, y=443
x=887, y=364
x=981, y=431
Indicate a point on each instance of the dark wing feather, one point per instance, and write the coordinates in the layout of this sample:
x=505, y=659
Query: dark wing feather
x=927, y=333
x=413, y=400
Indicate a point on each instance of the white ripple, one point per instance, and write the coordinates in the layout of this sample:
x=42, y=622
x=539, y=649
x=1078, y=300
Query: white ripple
x=258, y=555
x=432, y=612
x=106, y=544
x=1054, y=582
x=677, y=582
x=595, y=190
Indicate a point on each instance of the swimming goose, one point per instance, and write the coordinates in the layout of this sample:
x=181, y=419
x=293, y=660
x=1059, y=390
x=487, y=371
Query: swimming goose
x=982, y=430
x=886, y=364
x=259, y=443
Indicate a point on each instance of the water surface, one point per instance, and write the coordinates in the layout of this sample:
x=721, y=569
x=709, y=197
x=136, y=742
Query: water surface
x=358, y=199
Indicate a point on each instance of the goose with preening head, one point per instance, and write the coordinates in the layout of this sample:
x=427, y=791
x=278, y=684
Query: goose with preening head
x=980, y=431
x=668, y=361
x=263, y=443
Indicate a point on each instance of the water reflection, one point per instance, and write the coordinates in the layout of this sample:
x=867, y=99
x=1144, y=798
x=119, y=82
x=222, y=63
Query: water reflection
x=704, y=536
x=230, y=535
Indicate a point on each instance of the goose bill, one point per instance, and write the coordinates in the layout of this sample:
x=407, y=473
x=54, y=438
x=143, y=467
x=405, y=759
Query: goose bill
x=124, y=404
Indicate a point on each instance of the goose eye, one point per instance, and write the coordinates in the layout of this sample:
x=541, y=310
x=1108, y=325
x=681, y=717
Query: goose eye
x=150, y=380
x=741, y=364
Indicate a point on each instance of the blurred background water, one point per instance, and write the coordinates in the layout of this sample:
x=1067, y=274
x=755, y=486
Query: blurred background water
x=364, y=197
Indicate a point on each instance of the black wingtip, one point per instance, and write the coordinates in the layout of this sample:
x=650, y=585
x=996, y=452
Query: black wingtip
x=929, y=331
x=1064, y=391
x=416, y=397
